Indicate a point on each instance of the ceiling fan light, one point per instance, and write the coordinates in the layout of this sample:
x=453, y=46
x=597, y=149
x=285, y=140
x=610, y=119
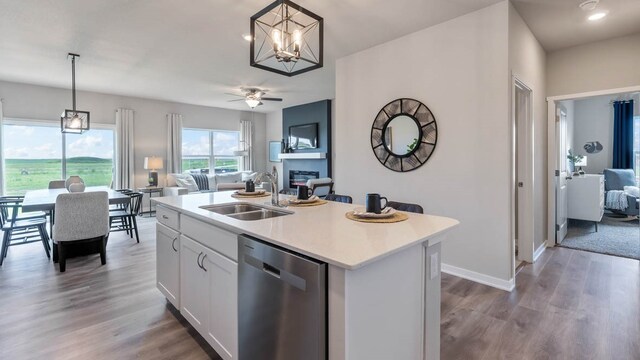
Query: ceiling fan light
x=597, y=16
x=253, y=103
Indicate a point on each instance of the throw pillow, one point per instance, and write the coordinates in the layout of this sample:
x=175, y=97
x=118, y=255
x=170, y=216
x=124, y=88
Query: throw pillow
x=632, y=190
x=187, y=182
x=234, y=177
x=212, y=181
x=171, y=179
x=246, y=176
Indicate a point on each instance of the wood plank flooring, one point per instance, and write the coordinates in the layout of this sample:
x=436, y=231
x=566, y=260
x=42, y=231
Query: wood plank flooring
x=569, y=305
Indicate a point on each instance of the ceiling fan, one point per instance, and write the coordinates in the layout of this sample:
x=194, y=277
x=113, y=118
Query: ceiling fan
x=253, y=96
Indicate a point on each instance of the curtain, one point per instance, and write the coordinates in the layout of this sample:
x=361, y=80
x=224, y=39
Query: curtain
x=1, y=153
x=174, y=143
x=125, y=169
x=623, y=134
x=246, y=143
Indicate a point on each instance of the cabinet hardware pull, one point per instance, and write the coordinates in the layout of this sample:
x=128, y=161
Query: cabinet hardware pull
x=173, y=244
x=198, y=261
x=165, y=217
x=202, y=265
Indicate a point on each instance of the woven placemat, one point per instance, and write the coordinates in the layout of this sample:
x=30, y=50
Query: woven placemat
x=397, y=217
x=315, y=203
x=238, y=196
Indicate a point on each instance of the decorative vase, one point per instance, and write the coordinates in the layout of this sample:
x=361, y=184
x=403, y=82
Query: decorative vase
x=76, y=187
x=74, y=180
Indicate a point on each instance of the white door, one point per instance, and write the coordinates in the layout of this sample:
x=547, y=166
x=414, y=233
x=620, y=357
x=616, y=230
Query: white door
x=222, y=331
x=168, y=263
x=194, y=284
x=523, y=173
x=562, y=174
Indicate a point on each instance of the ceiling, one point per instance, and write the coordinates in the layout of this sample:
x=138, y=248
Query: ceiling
x=559, y=24
x=191, y=51
x=162, y=49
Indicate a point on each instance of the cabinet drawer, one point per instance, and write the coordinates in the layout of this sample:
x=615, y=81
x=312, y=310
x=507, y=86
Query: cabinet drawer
x=168, y=217
x=222, y=241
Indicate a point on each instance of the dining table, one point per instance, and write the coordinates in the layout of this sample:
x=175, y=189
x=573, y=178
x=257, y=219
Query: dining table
x=45, y=200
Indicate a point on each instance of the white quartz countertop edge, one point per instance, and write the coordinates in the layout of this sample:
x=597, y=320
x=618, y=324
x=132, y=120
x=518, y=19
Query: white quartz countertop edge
x=192, y=208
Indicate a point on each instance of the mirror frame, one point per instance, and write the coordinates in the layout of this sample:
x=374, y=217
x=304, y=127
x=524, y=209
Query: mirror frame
x=427, y=130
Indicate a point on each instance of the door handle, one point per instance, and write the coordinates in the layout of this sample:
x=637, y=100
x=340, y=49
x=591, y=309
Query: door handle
x=520, y=184
x=173, y=244
x=198, y=261
x=202, y=263
x=165, y=217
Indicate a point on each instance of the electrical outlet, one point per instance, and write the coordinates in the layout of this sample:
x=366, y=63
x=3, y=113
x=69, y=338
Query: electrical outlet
x=435, y=266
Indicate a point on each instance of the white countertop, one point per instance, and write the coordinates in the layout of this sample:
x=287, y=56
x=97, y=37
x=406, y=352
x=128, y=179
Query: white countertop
x=322, y=232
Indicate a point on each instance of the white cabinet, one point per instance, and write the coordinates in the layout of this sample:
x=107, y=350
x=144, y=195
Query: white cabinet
x=209, y=295
x=585, y=196
x=168, y=263
x=222, y=324
x=194, y=284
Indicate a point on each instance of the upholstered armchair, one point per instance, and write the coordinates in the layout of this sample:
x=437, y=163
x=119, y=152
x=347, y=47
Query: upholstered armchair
x=80, y=218
x=617, y=179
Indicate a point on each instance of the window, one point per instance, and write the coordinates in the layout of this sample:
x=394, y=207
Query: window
x=37, y=152
x=206, y=149
x=636, y=147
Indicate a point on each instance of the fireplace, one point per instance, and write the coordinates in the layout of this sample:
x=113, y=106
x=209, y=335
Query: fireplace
x=297, y=177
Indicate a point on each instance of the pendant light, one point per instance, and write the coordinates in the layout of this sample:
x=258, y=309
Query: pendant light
x=74, y=121
x=286, y=39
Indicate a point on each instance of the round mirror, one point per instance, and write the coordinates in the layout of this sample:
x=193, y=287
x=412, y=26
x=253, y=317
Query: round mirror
x=404, y=135
x=401, y=135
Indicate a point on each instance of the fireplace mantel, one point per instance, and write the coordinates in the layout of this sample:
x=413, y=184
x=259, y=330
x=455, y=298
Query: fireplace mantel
x=303, y=155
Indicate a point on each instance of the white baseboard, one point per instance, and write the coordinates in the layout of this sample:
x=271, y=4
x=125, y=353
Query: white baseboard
x=507, y=285
x=539, y=251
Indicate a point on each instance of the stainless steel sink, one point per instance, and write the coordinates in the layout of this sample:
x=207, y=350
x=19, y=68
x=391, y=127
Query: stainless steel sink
x=227, y=209
x=258, y=215
x=246, y=211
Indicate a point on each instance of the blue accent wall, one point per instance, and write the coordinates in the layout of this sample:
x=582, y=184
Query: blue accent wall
x=317, y=112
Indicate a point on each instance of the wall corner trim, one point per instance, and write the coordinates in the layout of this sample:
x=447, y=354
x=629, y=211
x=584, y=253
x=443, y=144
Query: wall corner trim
x=507, y=285
x=539, y=250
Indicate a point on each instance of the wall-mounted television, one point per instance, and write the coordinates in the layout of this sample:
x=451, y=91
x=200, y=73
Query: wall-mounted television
x=303, y=136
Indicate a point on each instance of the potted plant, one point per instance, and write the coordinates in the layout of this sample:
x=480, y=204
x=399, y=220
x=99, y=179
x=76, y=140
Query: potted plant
x=574, y=159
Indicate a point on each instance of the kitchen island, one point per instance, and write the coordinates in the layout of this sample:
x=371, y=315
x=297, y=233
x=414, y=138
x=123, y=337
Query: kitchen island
x=383, y=280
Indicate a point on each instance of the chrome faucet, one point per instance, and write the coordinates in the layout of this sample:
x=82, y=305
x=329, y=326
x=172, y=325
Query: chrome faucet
x=273, y=179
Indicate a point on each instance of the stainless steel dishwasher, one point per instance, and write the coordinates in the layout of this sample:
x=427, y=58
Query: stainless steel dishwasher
x=282, y=303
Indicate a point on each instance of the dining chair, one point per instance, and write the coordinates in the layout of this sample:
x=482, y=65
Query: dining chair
x=321, y=183
x=80, y=218
x=125, y=219
x=414, y=208
x=339, y=198
x=56, y=184
x=18, y=229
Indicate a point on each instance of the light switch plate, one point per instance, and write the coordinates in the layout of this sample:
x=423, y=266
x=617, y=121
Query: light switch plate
x=435, y=266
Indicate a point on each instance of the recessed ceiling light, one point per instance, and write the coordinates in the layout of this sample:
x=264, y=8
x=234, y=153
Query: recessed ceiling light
x=597, y=16
x=247, y=37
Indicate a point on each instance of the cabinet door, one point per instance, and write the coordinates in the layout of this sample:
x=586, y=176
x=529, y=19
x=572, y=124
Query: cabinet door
x=194, y=284
x=168, y=263
x=222, y=331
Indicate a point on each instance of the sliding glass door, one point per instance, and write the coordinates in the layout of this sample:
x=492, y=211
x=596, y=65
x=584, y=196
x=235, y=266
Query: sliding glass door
x=36, y=152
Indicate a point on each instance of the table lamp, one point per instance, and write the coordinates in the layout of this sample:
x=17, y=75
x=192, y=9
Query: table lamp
x=153, y=163
x=580, y=164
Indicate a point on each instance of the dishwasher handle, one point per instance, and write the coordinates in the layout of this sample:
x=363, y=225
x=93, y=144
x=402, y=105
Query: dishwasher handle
x=271, y=270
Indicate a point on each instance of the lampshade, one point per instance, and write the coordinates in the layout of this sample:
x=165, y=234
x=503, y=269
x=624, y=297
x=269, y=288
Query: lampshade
x=582, y=162
x=153, y=163
x=253, y=102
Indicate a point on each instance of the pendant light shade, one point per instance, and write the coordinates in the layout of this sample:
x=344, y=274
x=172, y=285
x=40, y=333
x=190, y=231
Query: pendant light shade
x=286, y=39
x=74, y=121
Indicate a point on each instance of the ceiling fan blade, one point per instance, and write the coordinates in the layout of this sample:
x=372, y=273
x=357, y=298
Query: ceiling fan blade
x=271, y=99
x=235, y=100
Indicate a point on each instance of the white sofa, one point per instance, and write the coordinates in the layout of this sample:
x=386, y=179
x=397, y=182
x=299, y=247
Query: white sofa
x=214, y=182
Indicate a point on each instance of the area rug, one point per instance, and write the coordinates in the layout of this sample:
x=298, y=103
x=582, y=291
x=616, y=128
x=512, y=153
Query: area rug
x=614, y=237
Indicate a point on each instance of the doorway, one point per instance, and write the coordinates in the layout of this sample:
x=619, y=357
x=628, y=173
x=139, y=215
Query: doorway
x=585, y=174
x=522, y=174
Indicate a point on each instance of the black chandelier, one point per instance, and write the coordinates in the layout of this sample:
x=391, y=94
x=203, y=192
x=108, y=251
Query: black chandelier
x=286, y=39
x=74, y=121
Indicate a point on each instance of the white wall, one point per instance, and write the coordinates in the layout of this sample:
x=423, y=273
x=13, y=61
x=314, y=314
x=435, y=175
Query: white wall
x=25, y=101
x=274, y=133
x=527, y=61
x=602, y=65
x=459, y=69
x=594, y=122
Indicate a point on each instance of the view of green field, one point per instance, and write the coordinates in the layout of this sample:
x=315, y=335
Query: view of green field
x=22, y=175
x=222, y=164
